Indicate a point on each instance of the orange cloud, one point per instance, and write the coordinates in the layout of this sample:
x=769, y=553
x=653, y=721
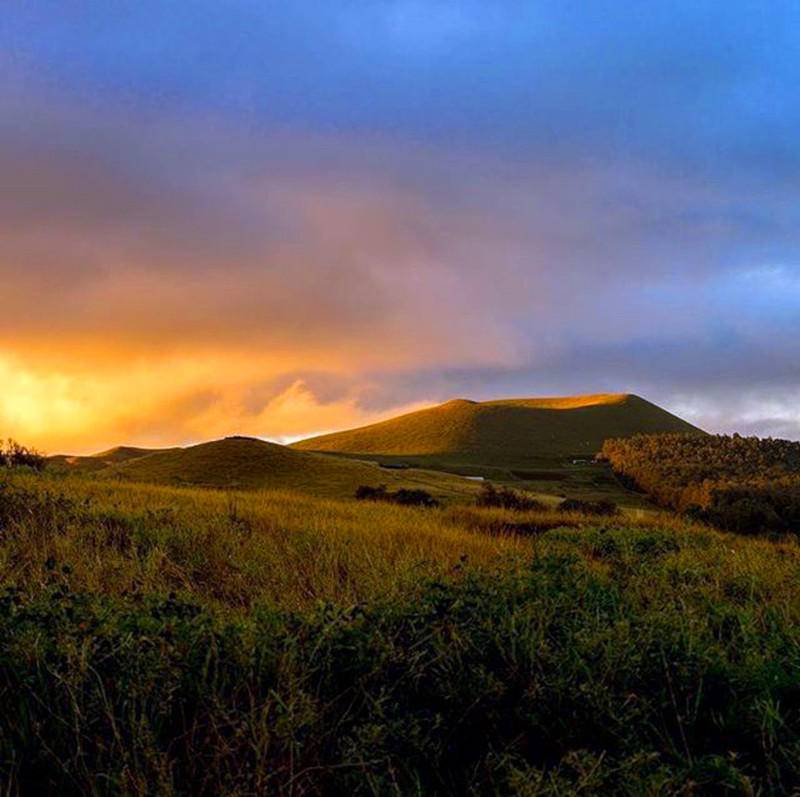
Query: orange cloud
x=171, y=401
x=178, y=297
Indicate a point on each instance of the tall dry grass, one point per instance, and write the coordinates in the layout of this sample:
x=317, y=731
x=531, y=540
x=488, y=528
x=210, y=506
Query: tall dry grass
x=233, y=549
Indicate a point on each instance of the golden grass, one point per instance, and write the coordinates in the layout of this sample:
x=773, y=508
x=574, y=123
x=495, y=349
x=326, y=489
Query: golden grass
x=564, y=402
x=239, y=548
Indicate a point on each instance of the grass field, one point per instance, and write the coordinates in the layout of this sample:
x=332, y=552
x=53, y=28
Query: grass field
x=158, y=640
x=226, y=549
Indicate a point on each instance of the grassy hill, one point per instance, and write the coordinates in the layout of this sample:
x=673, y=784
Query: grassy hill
x=248, y=463
x=505, y=433
x=124, y=453
x=97, y=462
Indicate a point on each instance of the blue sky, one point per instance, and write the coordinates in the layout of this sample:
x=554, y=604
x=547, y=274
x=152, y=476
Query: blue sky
x=358, y=207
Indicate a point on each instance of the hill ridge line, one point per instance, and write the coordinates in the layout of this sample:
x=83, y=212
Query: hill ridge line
x=508, y=431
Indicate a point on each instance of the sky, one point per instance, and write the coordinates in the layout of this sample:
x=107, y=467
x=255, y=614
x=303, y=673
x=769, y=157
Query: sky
x=277, y=219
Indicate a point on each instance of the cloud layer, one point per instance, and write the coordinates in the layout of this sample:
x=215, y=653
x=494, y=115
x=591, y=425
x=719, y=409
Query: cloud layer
x=279, y=222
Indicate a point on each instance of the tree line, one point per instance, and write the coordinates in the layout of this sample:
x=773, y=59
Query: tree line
x=744, y=484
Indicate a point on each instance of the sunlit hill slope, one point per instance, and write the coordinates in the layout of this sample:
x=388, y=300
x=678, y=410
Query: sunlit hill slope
x=504, y=432
x=104, y=459
x=249, y=463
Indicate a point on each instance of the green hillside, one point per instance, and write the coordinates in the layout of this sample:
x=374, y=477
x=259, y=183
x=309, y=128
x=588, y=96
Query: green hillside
x=509, y=432
x=248, y=463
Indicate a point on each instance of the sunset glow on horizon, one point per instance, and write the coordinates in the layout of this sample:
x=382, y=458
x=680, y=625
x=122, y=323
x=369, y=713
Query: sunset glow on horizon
x=278, y=221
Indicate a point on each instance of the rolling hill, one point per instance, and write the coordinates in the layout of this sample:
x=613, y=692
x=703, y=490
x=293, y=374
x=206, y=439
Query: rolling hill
x=120, y=454
x=503, y=433
x=92, y=463
x=248, y=463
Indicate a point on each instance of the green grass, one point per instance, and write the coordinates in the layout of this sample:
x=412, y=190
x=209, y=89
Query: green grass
x=248, y=464
x=159, y=640
x=513, y=433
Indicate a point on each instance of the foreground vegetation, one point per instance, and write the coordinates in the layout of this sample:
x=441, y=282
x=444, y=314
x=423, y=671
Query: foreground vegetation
x=159, y=640
x=743, y=484
x=230, y=550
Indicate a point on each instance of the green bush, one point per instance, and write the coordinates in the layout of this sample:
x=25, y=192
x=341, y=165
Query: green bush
x=504, y=498
x=15, y=455
x=403, y=496
x=600, y=508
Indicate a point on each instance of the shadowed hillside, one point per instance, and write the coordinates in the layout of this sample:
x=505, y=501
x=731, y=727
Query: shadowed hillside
x=249, y=463
x=505, y=432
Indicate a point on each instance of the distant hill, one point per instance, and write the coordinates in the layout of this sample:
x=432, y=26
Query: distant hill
x=124, y=453
x=97, y=462
x=248, y=463
x=506, y=432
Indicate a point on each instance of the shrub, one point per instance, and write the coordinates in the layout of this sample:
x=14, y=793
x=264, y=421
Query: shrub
x=367, y=493
x=15, y=455
x=406, y=497
x=403, y=496
x=754, y=508
x=601, y=508
x=504, y=498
